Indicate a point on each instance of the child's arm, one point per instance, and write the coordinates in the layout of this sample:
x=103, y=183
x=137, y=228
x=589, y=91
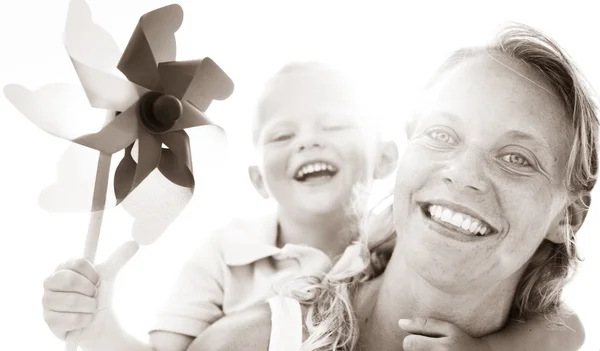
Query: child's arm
x=195, y=301
x=247, y=330
x=71, y=302
x=427, y=333
x=535, y=335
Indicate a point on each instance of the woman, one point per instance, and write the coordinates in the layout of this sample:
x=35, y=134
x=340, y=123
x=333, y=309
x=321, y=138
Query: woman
x=491, y=189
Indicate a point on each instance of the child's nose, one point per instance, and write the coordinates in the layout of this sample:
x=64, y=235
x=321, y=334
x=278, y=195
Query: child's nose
x=310, y=142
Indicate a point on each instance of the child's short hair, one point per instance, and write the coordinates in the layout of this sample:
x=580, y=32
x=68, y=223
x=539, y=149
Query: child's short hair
x=351, y=81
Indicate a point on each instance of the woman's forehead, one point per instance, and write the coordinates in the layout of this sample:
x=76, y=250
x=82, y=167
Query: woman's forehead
x=502, y=90
x=498, y=101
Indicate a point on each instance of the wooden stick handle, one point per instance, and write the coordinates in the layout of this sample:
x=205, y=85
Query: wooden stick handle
x=94, y=225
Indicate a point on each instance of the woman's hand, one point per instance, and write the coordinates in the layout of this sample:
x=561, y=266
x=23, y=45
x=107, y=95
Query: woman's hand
x=428, y=334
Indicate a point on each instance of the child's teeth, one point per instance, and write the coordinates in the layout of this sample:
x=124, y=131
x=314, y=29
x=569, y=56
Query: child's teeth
x=438, y=212
x=315, y=167
x=483, y=230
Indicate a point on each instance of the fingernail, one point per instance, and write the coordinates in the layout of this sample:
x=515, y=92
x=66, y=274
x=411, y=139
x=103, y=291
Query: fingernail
x=403, y=322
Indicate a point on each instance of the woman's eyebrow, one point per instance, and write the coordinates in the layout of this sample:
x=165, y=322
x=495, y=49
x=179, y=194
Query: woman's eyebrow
x=519, y=135
x=445, y=114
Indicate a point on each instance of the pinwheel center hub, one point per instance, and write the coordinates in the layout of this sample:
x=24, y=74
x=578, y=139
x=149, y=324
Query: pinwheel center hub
x=159, y=112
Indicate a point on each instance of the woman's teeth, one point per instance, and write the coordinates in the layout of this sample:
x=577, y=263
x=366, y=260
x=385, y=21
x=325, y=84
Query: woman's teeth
x=460, y=220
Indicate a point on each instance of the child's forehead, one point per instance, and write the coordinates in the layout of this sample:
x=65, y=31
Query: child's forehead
x=317, y=85
x=314, y=116
x=314, y=92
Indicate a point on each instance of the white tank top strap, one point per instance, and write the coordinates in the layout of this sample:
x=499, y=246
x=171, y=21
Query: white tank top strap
x=286, y=324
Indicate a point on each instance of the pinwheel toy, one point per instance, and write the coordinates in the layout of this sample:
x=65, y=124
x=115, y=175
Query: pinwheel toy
x=150, y=109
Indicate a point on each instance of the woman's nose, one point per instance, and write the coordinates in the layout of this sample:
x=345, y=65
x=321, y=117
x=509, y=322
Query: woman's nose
x=466, y=172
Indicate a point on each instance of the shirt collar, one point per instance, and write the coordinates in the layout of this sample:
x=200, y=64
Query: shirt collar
x=247, y=241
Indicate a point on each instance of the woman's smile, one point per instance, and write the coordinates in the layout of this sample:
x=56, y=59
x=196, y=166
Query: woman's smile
x=454, y=225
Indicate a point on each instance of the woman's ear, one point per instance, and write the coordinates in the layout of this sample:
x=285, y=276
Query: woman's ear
x=257, y=180
x=572, y=217
x=388, y=158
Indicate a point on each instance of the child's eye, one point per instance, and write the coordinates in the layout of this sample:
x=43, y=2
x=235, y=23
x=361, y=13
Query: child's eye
x=516, y=159
x=334, y=128
x=281, y=137
x=442, y=136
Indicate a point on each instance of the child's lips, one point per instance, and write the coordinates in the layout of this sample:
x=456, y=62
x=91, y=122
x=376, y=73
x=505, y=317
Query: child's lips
x=316, y=180
x=316, y=168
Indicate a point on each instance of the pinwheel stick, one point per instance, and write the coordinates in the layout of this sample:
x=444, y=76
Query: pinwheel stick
x=95, y=222
x=98, y=204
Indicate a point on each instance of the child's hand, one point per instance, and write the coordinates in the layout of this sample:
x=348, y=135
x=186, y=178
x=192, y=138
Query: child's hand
x=77, y=291
x=428, y=334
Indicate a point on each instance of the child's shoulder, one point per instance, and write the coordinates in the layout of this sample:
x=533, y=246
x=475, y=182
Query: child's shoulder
x=253, y=227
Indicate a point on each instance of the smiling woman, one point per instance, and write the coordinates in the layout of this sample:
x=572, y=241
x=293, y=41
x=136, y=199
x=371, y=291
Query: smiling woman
x=505, y=147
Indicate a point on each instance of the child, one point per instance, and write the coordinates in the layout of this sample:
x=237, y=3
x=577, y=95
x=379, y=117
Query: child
x=314, y=146
x=316, y=151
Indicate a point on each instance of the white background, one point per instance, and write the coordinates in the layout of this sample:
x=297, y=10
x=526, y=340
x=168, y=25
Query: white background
x=396, y=46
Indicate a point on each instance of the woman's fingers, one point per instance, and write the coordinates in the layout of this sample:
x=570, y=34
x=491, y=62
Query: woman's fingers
x=427, y=327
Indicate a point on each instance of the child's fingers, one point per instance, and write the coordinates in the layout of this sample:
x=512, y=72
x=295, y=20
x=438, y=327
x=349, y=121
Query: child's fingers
x=419, y=343
x=118, y=259
x=62, y=322
x=66, y=280
x=69, y=302
x=427, y=326
x=81, y=266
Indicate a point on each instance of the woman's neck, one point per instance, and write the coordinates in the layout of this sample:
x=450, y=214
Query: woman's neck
x=401, y=293
x=330, y=233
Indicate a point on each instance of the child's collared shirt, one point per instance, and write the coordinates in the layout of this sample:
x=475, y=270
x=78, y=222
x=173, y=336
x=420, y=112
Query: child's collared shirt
x=239, y=266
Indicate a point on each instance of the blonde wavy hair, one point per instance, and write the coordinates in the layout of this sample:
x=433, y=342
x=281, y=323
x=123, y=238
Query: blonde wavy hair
x=330, y=321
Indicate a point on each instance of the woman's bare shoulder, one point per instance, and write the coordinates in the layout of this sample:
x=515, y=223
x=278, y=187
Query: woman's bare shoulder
x=246, y=330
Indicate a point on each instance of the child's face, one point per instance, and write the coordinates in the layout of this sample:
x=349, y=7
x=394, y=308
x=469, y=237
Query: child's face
x=313, y=144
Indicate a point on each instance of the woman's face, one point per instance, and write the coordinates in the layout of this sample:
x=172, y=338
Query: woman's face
x=482, y=181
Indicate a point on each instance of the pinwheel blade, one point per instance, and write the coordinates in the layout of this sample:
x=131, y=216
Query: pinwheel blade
x=149, y=152
x=176, y=161
x=72, y=189
x=152, y=42
x=176, y=76
x=190, y=117
x=95, y=54
x=55, y=108
x=116, y=135
x=155, y=204
x=107, y=91
x=124, y=175
x=86, y=41
x=209, y=83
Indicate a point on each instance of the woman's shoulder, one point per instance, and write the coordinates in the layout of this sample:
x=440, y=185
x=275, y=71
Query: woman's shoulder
x=246, y=330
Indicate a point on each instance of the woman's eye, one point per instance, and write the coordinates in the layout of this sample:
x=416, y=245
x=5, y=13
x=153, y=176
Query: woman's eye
x=442, y=136
x=516, y=159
